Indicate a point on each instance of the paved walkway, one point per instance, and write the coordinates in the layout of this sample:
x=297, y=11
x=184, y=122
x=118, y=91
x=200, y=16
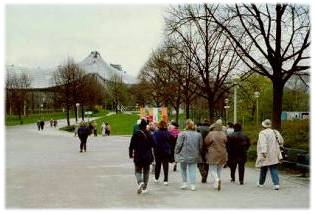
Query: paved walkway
x=44, y=169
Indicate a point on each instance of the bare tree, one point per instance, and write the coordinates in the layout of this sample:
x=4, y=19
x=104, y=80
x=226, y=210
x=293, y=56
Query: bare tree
x=208, y=51
x=272, y=40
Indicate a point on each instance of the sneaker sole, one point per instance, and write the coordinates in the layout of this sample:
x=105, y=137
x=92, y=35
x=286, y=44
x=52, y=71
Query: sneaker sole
x=140, y=188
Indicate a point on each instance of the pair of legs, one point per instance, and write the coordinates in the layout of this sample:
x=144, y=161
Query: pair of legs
x=83, y=145
x=203, y=169
x=215, y=174
x=191, y=168
x=274, y=174
x=142, y=174
x=241, y=169
x=158, y=163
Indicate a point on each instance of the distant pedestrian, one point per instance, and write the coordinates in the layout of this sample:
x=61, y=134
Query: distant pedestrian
x=42, y=124
x=107, y=129
x=38, y=125
x=55, y=123
x=216, y=154
x=83, y=133
x=203, y=129
x=94, y=128
x=174, y=131
x=237, y=146
x=230, y=129
x=140, y=149
x=187, y=153
x=91, y=128
x=103, y=129
x=51, y=121
x=269, y=154
x=162, y=151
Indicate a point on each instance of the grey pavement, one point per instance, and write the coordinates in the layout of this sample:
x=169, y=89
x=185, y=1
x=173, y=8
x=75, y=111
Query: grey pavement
x=44, y=169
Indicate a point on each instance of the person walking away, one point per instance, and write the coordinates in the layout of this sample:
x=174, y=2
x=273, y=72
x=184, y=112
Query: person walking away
x=230, y=129
x=269, y=154
x=162, y=151
x=152, y=127
x=103, y=129
x=203, y=167
x=140, y=149
x=51, y=122
x=216, y=154
x=107, y=129
x=237, y=146
x=38, y=125
x=95, y=128
x=55, y=123
x=83, y=133
x=187, y=153
x=42, y=124
x=174, y=132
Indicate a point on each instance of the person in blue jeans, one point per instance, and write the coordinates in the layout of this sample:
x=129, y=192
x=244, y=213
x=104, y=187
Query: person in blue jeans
x=187, y=153
x=269, y=154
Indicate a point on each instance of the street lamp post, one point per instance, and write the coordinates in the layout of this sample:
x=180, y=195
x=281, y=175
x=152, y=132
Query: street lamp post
x=256, y=95
x=41, y=109
x=226, y=107
x=235, y=81
x=76, y=118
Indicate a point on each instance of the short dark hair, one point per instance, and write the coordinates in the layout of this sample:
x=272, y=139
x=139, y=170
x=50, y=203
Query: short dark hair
x=237, y=127
x=230, y=124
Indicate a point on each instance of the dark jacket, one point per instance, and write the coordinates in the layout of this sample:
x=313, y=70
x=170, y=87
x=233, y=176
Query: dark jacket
x=237, y=146
x=203, y=130
x=162, y=144
x=83, y=133
x=140, y=148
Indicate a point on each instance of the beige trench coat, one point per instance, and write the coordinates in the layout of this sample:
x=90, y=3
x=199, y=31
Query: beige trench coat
x=268, y=144
x=215, y=146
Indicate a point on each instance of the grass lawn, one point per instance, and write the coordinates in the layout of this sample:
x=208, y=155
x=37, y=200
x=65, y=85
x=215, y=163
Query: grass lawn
x=14, y=120
x=121, y=124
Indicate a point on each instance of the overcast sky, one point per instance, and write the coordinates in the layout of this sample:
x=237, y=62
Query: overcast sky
x=45, y=35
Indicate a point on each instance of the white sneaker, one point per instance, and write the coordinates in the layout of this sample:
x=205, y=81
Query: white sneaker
x=276, y=187
x=140, y=187
x=165, y=183
x=156, y=181
x=193, y=187
x=184, y=186
x=259, y=185
x=144, y=191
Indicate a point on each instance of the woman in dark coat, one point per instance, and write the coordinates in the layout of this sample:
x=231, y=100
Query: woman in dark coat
x=237, y=147
x=140, y=150
x=83, y=133
x=162, y=151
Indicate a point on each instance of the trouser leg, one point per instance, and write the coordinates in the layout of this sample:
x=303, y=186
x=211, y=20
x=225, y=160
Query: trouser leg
x=241, y=171
x=138, y=173
x=262, y=174
x=157, y=168
x=165, y=168
x=274, y=174
x=146, y=172
x=183, y=171
x=213, y=172
x=192, y=167
x=232, y=166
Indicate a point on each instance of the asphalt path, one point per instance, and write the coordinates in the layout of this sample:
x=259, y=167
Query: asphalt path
x=44, y=169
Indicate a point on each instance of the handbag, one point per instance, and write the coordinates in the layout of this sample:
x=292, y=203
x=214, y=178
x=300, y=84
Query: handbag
x=282, y=150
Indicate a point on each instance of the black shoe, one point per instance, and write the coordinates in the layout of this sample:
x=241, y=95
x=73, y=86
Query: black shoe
x=81, y=151
x=84, y=150
x=175, y=167
x=241, y=183
x=232, y=180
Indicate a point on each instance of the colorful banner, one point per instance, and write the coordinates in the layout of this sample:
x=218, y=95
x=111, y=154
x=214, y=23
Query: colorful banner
x=154, y=114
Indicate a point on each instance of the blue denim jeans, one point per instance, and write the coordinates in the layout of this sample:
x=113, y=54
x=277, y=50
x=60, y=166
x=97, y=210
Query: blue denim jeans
x=273, y=171
x=191, y=167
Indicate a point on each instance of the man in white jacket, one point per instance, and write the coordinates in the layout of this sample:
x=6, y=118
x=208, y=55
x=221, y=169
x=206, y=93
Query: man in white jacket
x=269, y=154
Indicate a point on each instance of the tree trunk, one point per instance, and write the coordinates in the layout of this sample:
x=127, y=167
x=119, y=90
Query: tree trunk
x=75, y=113
x=187, y=108
x=210, y=109
x=277, y=103
x=68, y=115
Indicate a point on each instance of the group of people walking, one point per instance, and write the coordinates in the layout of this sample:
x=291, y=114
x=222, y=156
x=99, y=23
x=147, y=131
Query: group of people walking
x=206, y=147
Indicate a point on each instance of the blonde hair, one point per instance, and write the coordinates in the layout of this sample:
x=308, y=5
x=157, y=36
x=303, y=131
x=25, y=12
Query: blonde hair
x=189, y=125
